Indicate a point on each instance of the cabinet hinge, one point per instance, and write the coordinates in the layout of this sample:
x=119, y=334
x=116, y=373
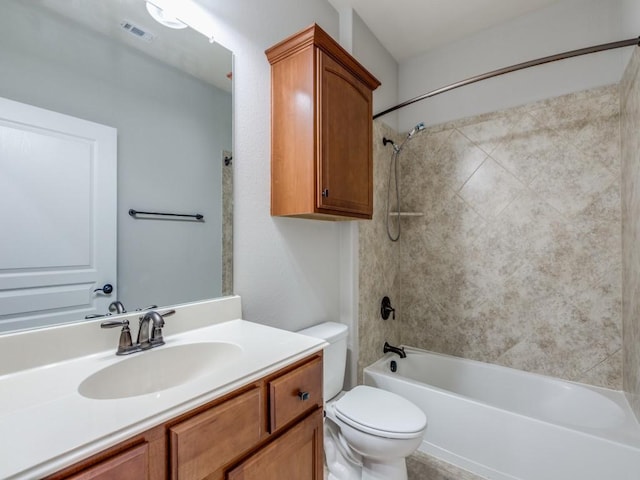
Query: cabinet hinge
x=325, y=192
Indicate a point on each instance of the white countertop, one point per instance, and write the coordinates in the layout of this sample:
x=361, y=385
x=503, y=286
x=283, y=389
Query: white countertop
x=46, y=424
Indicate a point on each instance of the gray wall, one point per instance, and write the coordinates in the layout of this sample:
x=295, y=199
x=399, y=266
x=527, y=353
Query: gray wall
x=563, y=26
x=375, y=57
x=172, y=129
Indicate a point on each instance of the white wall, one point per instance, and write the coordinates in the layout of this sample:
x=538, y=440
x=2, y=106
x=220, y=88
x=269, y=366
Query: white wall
x=567, y=25
x=630, y=12
x=375, y=57
x=287, y=270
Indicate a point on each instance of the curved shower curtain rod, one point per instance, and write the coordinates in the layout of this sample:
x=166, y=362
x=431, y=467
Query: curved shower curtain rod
x=514, y=68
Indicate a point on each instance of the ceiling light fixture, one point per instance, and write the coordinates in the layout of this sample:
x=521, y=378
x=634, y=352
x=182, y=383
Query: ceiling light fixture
x=181, y=14
x=164, y=18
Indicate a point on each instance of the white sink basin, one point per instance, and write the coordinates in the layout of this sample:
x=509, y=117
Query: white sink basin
x=155, y=370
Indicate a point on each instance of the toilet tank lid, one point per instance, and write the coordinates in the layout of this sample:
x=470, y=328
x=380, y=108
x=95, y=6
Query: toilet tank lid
x=327, y=331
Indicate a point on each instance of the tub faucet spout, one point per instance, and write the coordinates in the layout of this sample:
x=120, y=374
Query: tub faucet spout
x=391, y=348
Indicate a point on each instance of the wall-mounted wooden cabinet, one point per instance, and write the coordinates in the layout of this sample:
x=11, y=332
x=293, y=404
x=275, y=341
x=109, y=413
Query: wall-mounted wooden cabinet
x=268, y=430
x=321, y=129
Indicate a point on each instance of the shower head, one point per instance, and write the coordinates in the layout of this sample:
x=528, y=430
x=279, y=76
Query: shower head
x=418, y=128
x=398, y=148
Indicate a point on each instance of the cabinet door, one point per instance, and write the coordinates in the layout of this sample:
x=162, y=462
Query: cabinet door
x=295, y=455
x=132, y=464
x=346, y=163
x=202, y=445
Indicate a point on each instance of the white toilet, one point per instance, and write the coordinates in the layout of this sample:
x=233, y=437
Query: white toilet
x=368, y=432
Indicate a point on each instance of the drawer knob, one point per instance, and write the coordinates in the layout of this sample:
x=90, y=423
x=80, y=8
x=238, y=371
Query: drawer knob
x=303, y=396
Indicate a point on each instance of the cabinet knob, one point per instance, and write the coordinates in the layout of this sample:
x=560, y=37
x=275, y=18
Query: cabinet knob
x=325, y=192
x=303, y=396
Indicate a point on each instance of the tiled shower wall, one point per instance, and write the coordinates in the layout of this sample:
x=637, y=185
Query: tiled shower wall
x=517, y=259
x=378, y=263
x=630, y=110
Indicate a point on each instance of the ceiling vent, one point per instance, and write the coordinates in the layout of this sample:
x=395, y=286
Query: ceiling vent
x=137, y=31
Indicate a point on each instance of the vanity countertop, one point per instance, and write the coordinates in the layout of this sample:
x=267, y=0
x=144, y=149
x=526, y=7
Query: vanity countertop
x=47, y=424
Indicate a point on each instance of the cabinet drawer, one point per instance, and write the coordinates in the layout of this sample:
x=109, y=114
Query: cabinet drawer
x=295, y=393
x=203, y=444
x=132, y=464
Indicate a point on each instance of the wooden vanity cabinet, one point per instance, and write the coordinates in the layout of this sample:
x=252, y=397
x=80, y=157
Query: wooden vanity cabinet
x=321, y=130
x=270, y=429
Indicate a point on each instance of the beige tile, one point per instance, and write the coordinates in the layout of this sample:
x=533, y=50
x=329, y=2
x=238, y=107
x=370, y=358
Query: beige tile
x=429, y=142
x=490, y=189
x=490, y=331
x=574, y=113
x=531, y=357
x=457, y=224
x=490, y=133
x=571, y=267
x=529, y=225
x=607, y=373
x=572, y=181
x=630, y=118
x=593, y=140
x=630, y=75
x=455, y=161
x=529, y=149
x=566, y=101
x=421, y=189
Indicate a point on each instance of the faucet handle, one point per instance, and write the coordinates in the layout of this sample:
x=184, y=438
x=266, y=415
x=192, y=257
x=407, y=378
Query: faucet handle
x=386, y=309
x=114, y=323
x=148, y=307
x=125, y=344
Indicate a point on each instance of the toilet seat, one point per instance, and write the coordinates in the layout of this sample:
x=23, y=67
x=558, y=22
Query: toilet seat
x=381, y=413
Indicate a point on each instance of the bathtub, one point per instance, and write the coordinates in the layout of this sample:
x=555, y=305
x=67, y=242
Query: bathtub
x=505, y=424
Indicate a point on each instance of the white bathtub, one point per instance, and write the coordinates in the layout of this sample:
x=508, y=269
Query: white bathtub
x=505, y=424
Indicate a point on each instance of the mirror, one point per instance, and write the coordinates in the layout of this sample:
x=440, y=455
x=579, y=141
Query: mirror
x=168, y=94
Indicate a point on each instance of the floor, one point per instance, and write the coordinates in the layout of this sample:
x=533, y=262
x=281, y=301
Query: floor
x=425, y=467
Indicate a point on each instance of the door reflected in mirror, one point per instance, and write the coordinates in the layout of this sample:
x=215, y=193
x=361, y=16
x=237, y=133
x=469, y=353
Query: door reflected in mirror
x=167, y=95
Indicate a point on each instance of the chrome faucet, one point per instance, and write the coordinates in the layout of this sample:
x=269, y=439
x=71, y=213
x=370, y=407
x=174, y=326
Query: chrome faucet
x=151, y=336
x=114, y=307
x=390, y=348
x=149, y=332
x=117, y=307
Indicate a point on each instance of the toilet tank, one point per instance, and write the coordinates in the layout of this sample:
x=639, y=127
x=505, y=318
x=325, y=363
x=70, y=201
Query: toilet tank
x=335, y=355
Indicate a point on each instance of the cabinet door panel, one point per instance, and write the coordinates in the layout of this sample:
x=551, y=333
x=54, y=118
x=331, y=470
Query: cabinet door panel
x=295, y=393
x=293, y=173
x=203, y=444
x=346, y=167
x=132, y=464
x=295, y=455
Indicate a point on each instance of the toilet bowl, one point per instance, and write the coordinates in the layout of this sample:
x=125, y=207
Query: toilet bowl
x=381, y=427
x=368, y=431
